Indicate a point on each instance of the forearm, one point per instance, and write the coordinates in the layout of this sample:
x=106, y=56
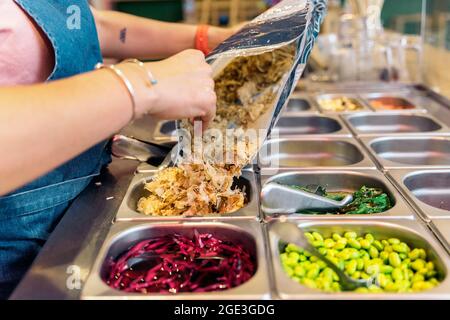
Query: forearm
x=123, y=36
x=43, y=126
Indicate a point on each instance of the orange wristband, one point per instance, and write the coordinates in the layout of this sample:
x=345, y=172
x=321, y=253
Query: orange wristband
x=201, y=39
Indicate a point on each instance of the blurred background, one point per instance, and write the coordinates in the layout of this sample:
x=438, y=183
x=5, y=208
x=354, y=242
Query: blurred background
x=361, y=40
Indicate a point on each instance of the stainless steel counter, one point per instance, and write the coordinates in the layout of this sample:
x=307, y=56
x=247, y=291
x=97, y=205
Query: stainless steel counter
x=69, y=255
x=75, y=243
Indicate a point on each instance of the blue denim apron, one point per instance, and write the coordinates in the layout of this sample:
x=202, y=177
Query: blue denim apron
x=28, y=215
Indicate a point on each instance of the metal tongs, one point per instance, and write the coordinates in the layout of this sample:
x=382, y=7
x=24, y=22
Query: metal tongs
x=290, y=233
x=280, y=199
x=124, y=147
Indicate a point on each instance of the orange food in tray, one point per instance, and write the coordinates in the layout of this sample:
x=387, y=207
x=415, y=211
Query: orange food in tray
x=391, y=103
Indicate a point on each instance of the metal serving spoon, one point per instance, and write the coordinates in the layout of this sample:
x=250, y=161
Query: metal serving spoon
x=277, y=198
x=290, y=233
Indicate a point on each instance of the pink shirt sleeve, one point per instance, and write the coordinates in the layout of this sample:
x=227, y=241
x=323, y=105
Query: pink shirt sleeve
x=26, y=55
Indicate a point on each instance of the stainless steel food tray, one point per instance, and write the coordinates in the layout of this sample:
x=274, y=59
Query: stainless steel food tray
x=393, y=152
x=311, y=125
x=340, y=180
x=427, y=190
x=123, y=235
x=408, y=98
x=300, y=104
x=409, y=231
x=165, y=131
x=309, y=152
x=395, y=123
x=128, y=212
x=356, y=98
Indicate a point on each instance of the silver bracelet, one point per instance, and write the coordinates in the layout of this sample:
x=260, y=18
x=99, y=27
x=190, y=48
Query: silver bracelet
x=126, y=82
x=149, y=74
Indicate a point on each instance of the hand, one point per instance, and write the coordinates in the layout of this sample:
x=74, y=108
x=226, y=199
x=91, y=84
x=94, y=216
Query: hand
x=185, y=88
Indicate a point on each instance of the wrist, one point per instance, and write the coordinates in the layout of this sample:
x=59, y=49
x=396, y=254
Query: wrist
x=145, y=95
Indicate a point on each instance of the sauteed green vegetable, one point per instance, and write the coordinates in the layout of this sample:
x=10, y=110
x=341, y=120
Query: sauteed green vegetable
x=365, y=201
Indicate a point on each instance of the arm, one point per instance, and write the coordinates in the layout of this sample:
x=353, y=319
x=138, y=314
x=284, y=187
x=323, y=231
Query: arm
x=42, y=126
x=123, y=36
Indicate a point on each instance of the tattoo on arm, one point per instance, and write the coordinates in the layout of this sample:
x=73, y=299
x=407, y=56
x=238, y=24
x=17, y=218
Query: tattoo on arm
x=123, y=35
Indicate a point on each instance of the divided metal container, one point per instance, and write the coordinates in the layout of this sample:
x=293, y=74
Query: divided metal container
x=322, y=98
x=124, y=235
x=299, y=104
x=411, y=232
x=395, y=123
x=128, y=208
x=294, y=124
x=407, y=100
x=427, y=190
x=309, y=152
x=343, y=181
x=409, y=151
x=165, y=131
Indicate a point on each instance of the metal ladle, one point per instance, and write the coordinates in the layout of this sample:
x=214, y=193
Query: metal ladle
x=290, y=233
x=277, y=198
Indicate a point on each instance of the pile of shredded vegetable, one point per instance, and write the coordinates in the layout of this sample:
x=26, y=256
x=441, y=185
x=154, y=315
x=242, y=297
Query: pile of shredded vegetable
x=178, y=263
x=246, y=88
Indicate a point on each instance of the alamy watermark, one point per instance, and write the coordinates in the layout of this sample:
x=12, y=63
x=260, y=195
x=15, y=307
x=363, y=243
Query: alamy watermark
x=73, y=21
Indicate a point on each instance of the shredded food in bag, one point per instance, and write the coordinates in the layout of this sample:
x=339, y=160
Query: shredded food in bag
x=246, y=88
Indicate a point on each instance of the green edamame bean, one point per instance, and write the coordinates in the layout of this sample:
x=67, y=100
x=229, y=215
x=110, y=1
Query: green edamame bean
x=403, y=256
x=359, y=264
x=317, y=243
x=350, y=235
x=373, y=252
x=417, y=277
x=394, y=241
x=317, y=236
x=377, y=244
x=418, y=264
x=309, y=236
x=365, y=244
x=329, y=243
x=313, y=273
x=354, y=244
x=384, y=256
x=322, y=265
x=350, y=268
x=414, y=254
x=299, y=271
x=400, y=248
x=293, y=248
x=394, y=259
x=423, y=254
x=369, y=237
x=386, y=269
x=309, y=283
x=397, y=274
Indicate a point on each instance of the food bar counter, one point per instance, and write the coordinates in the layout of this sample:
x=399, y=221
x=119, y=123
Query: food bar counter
x=388, y=146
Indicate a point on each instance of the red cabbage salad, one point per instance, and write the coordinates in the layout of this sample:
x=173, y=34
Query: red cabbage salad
x=176, y=263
